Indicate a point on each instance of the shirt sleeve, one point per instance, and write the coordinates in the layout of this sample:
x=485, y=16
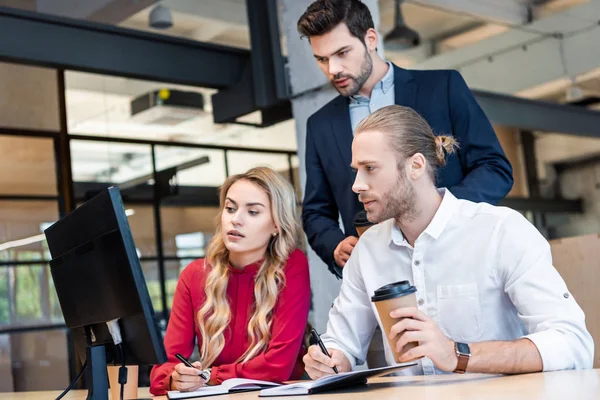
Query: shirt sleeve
x=180, y=336
x=290, y=315
x=351, y=319
x=553, y=320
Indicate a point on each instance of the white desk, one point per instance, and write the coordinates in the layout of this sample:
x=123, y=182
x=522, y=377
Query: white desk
x=562, y=385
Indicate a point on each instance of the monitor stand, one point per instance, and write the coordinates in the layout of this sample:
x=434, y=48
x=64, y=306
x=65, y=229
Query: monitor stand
x=96, y=376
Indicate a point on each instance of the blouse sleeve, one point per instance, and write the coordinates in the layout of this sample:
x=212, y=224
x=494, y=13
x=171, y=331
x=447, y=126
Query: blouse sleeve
x=180, y=336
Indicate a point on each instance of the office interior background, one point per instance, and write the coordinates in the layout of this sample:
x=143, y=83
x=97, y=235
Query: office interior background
x=69, y=127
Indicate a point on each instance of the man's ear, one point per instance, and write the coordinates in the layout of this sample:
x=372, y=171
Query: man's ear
x=417, y=166
x=371, y=39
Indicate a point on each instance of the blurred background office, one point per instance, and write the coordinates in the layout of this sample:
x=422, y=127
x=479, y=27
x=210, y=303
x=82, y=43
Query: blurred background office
x=167, y=98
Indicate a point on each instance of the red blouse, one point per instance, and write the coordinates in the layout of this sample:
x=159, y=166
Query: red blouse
x=281, y=361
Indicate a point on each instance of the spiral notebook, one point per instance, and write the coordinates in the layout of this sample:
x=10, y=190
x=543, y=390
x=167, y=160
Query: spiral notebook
x=332, y=382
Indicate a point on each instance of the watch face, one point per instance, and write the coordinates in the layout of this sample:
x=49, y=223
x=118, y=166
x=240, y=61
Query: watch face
x=463, y=348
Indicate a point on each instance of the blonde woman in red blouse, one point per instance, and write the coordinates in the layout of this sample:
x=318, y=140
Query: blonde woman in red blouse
x=247, y=303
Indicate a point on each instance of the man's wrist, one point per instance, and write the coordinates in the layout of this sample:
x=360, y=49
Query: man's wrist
x=452, y=363
x=463, y=355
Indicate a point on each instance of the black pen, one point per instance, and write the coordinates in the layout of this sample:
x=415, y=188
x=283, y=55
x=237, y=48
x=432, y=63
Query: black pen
x=189, y=364
x=317, y=339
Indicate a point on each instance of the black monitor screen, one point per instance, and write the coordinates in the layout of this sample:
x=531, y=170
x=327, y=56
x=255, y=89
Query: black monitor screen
x=98, y=277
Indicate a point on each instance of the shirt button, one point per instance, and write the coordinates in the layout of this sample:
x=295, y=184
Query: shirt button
x=566, y=295
x=417, y=262
x=421, y=302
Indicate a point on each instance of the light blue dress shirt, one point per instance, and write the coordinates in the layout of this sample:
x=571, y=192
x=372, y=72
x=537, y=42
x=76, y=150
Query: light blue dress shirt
x=382, y=95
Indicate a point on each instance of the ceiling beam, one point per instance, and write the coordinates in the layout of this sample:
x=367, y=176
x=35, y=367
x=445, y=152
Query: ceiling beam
x=513, y=12
x=59, y=42
x=209, y=30
x=232, y=13
x=105, y=11
x=543, y=205
x=559, y=46
x=538, y=115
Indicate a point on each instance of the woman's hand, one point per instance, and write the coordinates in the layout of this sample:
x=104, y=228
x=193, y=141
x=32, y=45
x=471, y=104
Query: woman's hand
x=186, y=379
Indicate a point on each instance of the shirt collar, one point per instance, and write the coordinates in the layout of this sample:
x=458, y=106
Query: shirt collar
x=384, y=85
x=443, y=214
x=248, y=269
x=388, y=80
x=436, y=226
x=396, y=236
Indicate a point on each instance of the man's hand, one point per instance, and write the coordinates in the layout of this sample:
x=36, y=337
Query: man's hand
x=186, y=379
x=342, y=252
x=418, y=327
x=318, y=364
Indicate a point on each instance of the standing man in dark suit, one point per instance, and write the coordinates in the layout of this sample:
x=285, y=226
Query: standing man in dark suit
x=344, y=42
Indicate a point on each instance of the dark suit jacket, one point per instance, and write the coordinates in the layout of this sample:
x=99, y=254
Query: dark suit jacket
x=479, y=171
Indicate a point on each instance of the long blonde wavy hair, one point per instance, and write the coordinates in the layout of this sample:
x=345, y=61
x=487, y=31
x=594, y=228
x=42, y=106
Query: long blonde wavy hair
x=215, y=314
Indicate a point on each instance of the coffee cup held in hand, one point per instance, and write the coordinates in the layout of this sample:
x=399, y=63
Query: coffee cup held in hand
x=391, y=297
x=361, y=223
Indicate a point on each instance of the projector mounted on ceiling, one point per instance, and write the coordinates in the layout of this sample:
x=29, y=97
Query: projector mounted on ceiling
x=167, y=107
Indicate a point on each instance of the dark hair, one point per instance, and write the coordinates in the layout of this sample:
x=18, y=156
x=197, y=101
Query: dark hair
x=324, y=15
x=408, y=134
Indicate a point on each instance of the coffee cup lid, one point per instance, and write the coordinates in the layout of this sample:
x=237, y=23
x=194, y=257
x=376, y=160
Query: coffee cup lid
x=360, y=219
x=393, y=290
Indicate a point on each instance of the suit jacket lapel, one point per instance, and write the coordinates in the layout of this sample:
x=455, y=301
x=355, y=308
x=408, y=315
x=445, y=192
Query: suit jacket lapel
x=405, y=88
x=342, y=130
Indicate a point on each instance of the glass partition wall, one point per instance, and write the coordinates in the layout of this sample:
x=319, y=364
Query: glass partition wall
x=168, y=175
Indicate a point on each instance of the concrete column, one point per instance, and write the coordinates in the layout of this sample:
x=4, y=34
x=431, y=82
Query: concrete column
x=311, y=91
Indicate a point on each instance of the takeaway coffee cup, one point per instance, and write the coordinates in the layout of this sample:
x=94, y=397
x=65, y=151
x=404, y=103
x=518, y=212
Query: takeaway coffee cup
x=361, y=223
x=388, y=298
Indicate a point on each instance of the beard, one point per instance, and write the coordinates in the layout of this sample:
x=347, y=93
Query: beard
x=355, y=82
x=399, y=202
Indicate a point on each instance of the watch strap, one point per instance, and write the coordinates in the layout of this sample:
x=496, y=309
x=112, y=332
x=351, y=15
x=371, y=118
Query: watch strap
x=463, y=361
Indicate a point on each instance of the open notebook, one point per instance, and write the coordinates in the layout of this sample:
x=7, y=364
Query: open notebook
x=332, y=382
x=229, y=386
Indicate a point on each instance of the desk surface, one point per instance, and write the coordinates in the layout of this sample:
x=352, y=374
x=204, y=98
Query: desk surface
x=563, y=385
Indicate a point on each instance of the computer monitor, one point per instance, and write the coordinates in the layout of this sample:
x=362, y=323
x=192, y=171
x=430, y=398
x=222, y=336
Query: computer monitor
x=98, y=278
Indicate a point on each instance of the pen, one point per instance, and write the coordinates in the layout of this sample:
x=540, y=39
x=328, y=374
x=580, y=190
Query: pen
x=189, y=364
x=317, y=339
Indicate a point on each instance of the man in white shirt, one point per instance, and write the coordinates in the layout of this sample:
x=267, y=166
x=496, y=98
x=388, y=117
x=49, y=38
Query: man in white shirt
x=487, y=292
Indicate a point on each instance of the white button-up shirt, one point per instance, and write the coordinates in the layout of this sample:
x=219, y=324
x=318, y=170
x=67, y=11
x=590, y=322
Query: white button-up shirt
x=482, y=273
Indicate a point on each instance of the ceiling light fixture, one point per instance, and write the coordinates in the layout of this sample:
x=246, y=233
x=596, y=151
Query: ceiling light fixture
x=401, y=37
x=160, y=18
